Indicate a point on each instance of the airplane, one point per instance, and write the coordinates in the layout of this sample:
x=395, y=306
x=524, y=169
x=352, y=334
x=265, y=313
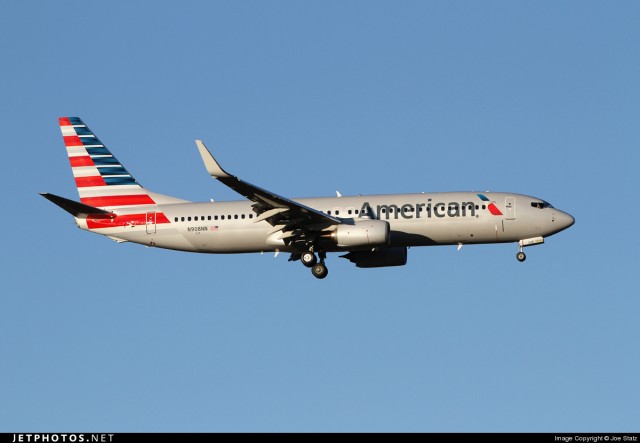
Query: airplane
x=371, y=230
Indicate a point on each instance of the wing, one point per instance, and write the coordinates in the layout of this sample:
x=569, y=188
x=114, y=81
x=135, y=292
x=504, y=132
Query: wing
x=296, y=221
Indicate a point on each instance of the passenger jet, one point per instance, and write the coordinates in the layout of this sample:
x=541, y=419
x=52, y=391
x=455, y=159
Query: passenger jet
x=371, y=230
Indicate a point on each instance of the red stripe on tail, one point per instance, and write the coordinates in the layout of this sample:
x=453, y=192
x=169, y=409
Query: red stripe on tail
x=81, y=160
x=124, y=220
x=83, y=182
x=118, y=200
x=72, y=140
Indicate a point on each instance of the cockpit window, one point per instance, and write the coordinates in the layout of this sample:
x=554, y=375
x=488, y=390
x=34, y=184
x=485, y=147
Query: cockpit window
x=541, y=205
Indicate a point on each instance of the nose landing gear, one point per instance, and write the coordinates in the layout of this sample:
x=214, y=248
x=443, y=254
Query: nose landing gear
x=527, y=242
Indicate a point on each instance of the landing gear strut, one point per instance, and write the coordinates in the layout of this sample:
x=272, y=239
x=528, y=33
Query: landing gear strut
x=521, y=256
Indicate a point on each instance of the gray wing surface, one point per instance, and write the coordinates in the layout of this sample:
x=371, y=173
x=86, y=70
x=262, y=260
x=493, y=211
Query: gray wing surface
x=295, y=220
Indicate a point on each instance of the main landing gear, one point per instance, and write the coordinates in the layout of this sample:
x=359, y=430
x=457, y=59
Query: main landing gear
x=521, y=256
x=319, y=270
x=308, y=259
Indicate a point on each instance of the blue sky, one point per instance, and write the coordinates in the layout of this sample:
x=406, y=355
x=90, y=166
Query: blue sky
x=306, y=98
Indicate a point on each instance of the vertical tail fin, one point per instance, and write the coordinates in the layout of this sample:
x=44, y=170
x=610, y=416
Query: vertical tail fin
x=101, y=180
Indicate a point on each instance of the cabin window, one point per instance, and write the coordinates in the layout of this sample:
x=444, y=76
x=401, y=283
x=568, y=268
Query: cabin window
x=175, y=219
x=188, y=218
x=209, y=217
x=242, y=216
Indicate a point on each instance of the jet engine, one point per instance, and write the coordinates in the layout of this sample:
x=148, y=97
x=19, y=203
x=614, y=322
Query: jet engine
x=361, y=233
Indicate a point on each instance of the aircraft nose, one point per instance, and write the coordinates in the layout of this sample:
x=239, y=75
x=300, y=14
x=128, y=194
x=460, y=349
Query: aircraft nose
x=564, y=220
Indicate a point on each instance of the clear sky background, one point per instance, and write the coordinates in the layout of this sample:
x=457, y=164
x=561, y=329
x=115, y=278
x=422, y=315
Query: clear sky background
x=306, y=98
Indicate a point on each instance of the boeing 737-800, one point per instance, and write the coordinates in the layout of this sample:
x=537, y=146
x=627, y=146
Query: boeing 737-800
x=372, y=230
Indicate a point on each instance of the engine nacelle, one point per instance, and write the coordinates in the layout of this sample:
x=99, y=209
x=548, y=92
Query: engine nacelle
x=361, y=233
x=378, y=259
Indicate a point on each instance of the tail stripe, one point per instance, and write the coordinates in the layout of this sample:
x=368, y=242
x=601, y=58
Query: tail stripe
x=101, y=180
x=108, y=191
x=83, y=182
x=117, y=200
x=72, y=140
x=99, y=160
x=79, y=161
x=124, y=220
x=109, y=181
x=82, y=130
x=98, y=150
x=75, y=121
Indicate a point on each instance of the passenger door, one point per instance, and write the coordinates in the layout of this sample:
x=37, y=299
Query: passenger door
x=510, y=208
x=151, y=222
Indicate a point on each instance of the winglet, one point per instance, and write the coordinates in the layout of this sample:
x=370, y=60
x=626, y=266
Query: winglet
x=213, y=168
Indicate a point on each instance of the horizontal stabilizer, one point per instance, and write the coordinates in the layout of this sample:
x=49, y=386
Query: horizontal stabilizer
x=74, y=208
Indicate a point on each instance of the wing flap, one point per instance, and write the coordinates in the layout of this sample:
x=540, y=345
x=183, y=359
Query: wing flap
x=270, y=213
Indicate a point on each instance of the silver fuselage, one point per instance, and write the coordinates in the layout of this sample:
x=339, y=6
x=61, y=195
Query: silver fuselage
x=424, y=219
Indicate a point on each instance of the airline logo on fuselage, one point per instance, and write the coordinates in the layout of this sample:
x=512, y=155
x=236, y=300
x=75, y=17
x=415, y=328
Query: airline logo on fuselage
x=428, y=210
